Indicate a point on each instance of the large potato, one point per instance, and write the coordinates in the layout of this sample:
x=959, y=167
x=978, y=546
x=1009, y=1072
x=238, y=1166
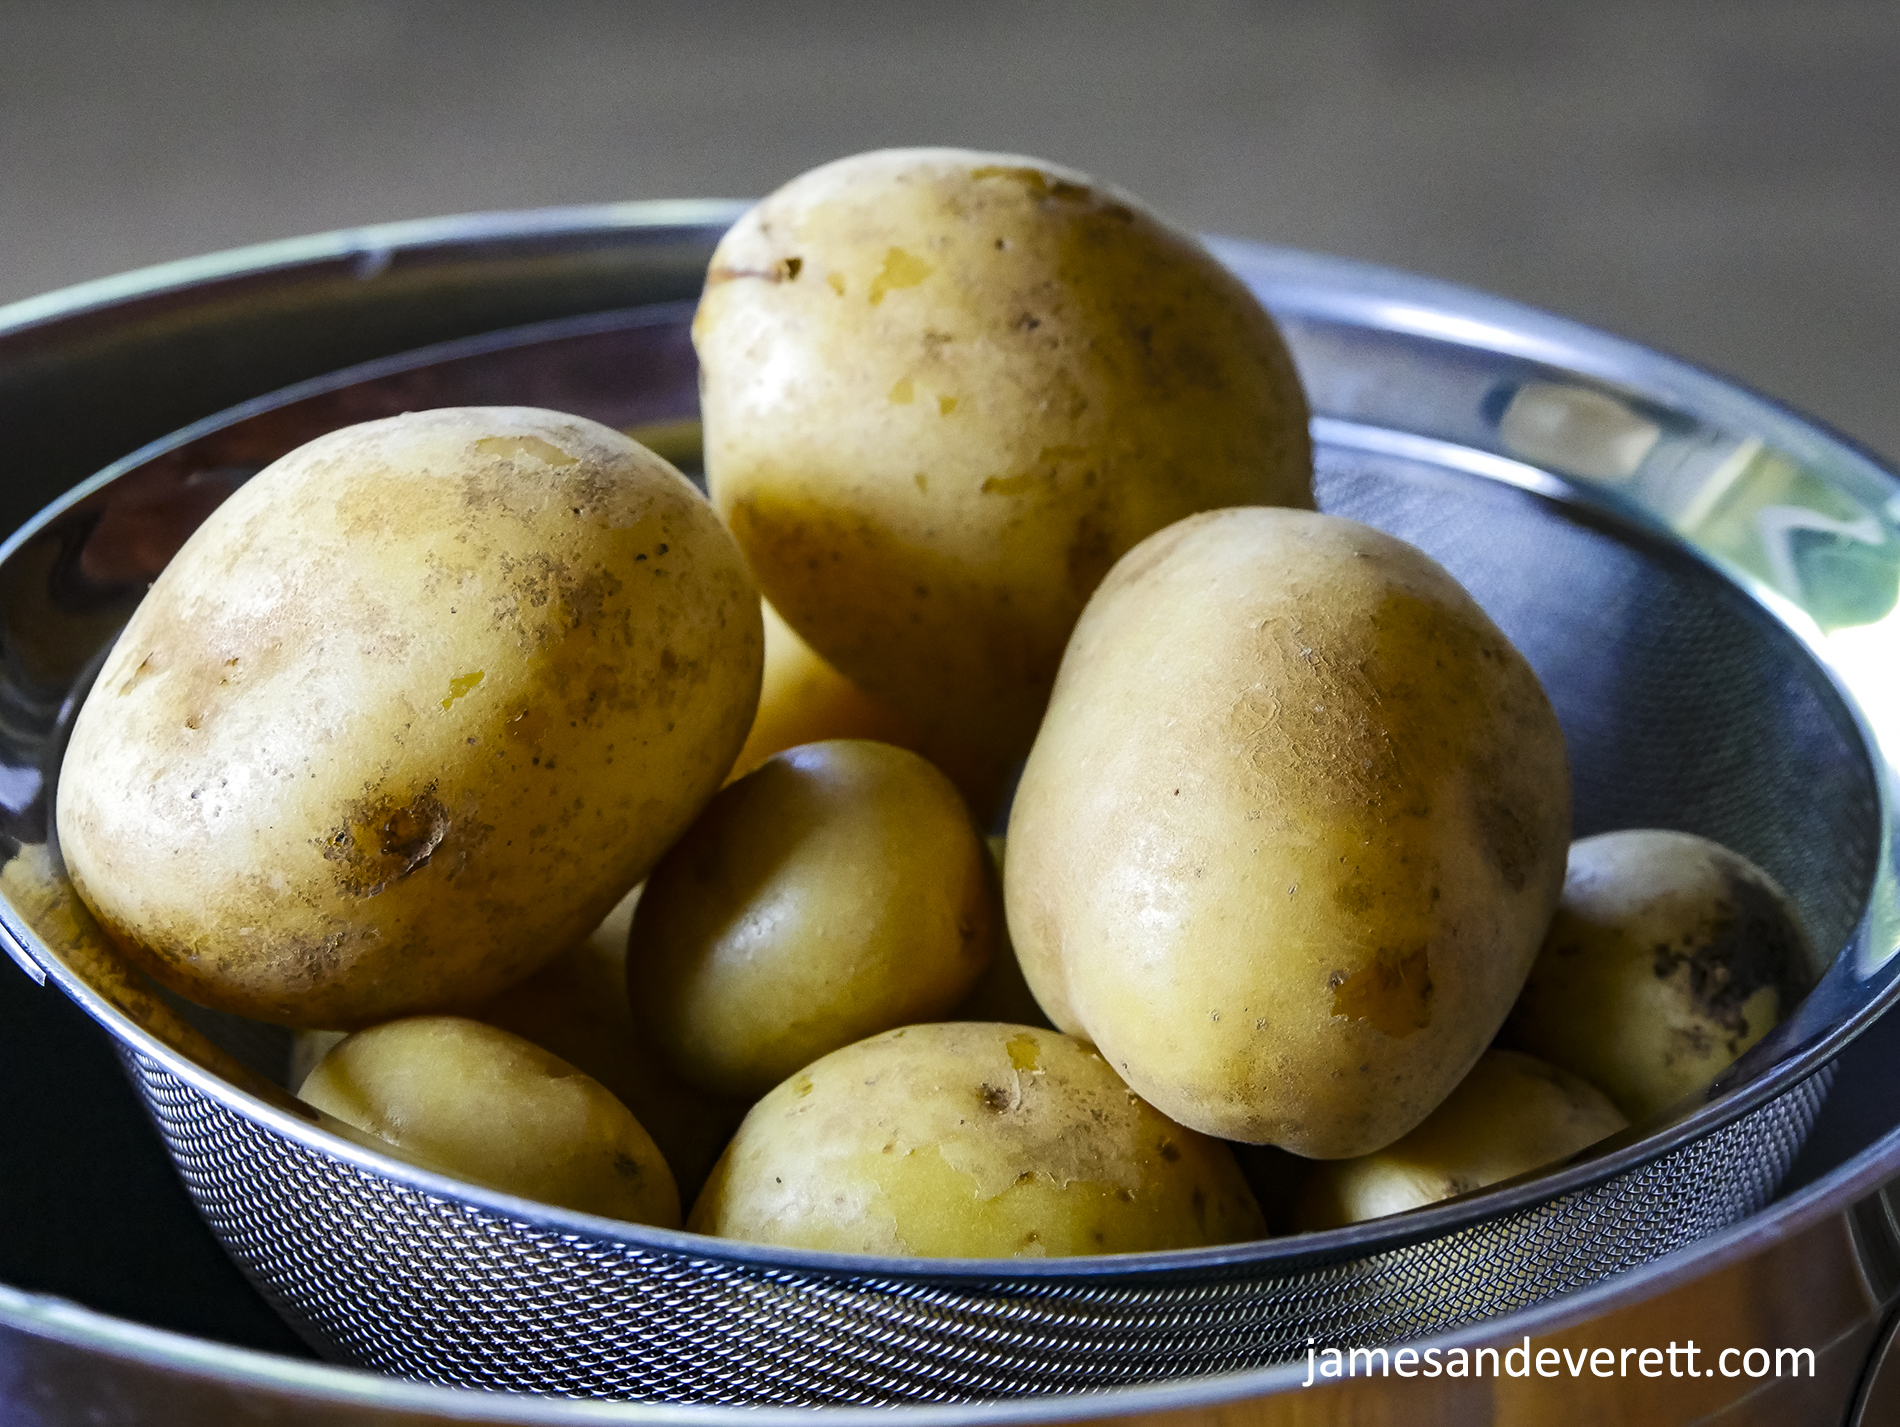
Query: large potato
x=1669, y=956
x=835, y=891
x=1512, y=1114
x=1291, y=831
x=971, y=1140
x=408, y=714
x=474, y=1101
x=944, y=391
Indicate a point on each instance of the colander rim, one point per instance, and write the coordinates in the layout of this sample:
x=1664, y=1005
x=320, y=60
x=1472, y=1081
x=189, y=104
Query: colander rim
x=1290, y=281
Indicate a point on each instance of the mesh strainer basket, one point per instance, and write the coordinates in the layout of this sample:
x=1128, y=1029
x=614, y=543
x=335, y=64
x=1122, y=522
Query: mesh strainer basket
x=1703, y=582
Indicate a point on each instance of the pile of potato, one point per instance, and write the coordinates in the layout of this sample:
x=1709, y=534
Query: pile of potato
x=469, y=732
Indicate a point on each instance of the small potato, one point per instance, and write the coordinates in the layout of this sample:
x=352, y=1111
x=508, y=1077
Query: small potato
x=466, y=1099
x=837, y=890
x=1512, y=1114
x=945, y=390
x=802, y=699
x=576, y=1007
x=1669, y=956
x=971, y=1140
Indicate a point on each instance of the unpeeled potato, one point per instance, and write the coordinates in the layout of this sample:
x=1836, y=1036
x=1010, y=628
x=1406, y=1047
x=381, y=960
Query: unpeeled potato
x=576, y=1007
x=837, y=890
x=945, y=390
x=476, y=1102
x=803, y=699
x=1512, y=1114
x=1669, y=956
x=971, y=1140
x=1291, y=831
x=408, y=714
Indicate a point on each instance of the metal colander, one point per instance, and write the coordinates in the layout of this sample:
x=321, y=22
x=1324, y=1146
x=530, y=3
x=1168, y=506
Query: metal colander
x=1695, y=692
x=377, y=1273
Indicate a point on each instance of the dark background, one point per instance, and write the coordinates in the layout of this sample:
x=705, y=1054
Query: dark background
x=1721, y=180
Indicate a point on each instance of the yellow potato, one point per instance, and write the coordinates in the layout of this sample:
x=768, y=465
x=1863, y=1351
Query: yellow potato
x=1291, y=831
x=1669, y=956
x=576, y=1007
x=802, y=699
x=835, y=891
x=1512, y=1114
x=971, y=1140
x=408, y=714
x=944, y=391
x=473, y=1101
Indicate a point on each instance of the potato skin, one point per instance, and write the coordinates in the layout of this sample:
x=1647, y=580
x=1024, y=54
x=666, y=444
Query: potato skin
x=945, y=390
x=1668, y=957
x=576, y=1007
x=479, y=1103
x=837, y=890
x=1291, y=831
x=971, y=1140
x=1512, y=1114
x=408, y=714
x=802, y=699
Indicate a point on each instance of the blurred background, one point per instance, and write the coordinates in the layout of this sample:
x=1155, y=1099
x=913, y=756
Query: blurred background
x=1720, y=180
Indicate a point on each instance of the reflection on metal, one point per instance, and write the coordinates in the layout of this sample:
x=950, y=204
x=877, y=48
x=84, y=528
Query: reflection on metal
x=1812, y=542
x=20, y=959
x=1577, y=430
x=1878, y=1403
x=1874, y=1223
x=1427, y=451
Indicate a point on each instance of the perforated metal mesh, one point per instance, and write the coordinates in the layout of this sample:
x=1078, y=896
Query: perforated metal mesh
x=388, y=1278
x=1683, y=707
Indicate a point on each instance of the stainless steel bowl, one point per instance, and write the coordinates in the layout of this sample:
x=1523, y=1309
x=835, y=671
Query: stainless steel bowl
x=1638, y=527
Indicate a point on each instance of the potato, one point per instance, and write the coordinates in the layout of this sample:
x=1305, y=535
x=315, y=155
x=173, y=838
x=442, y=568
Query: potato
x=1291, y=831
x=835, y=891
x=944, y=391
x=576, y=1007
x=802, y=699
x=473, y=1101
x=1669, y=956
x=1512, y=1114
x=971, y=1140
x=408, y=714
